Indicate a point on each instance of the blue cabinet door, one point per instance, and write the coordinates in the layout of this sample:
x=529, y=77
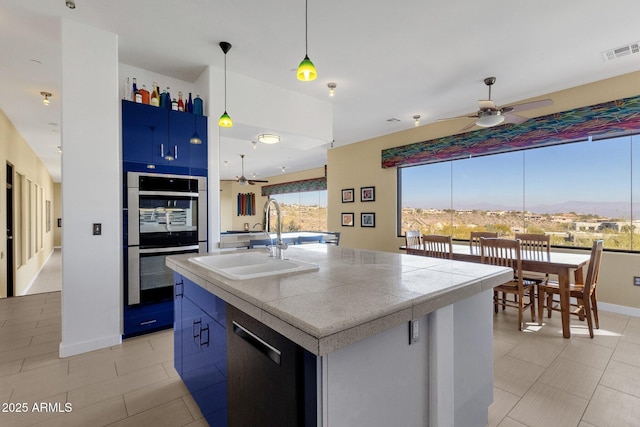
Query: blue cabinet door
x=144, y=133
x=182, y=127
x=178, y=291
x=203, y=347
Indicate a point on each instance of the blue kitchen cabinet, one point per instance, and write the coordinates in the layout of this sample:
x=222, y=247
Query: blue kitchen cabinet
x=200, y=347
x=182, y=126
x=145, y=132
x=160, y=137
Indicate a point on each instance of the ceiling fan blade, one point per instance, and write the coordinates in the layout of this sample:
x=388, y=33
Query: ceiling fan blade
x=467, y=127
x=529, y=105
x=514, y=118
x=475, y=116
x=487, y=104
x=251, y=181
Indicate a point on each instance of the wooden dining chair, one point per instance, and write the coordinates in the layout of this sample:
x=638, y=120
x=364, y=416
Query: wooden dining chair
x=475, y=236
x=437, y=246
x=584, y=293
x=506, y=253
x=537, y=247
x=412, y=238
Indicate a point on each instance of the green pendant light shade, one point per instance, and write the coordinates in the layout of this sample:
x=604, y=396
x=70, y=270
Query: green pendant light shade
x=225, y=121
x=306, y=70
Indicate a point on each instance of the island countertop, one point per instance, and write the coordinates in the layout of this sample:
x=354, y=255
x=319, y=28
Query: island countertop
x=355, y=293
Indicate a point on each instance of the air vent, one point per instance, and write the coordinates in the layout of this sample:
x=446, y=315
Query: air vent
x=619, y=52
x=393, y=119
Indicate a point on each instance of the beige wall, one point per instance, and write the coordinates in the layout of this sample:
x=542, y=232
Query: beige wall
x=617, y=269
x=229, y=220
x=14, y=150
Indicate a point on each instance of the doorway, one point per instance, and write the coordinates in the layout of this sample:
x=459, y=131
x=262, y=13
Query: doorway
x=10, y=247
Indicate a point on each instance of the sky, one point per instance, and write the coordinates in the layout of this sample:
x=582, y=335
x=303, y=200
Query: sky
x=595, y=172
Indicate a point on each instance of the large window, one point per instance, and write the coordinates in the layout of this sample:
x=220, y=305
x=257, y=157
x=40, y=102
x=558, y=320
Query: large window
x=575, y=192
x=304, y=211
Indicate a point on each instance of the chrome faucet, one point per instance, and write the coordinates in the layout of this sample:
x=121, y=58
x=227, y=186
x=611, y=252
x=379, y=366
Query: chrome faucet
x=265, y=226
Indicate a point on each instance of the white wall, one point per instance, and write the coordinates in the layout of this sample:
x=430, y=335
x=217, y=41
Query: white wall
x=91, y=265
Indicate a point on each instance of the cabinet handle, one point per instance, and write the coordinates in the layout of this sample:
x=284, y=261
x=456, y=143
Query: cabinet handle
x=202, y=330
x=162, y=151
x=181, y=292
x=175, y=152
x=148, y=322
x=255, y=341
x=193, y=328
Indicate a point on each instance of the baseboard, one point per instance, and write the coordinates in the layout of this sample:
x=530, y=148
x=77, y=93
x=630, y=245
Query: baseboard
x=619, y=309
x=67, y=350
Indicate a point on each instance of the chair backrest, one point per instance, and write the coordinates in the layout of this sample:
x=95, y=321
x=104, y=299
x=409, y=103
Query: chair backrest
x=475, y=236
x=437, y=246
x=256, y=243
x=412, y=238
x=502, y=252
x=319, y=238
x=333, y=238
x=535, y=246
x=591, y=281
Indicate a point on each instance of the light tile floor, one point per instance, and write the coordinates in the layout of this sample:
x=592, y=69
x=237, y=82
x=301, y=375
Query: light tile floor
x=540, y=378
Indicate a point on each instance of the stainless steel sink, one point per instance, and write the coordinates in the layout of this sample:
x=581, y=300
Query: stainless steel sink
x=251, y=265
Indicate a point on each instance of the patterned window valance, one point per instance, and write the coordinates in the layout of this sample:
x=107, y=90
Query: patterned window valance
x=610, y=119
x=314, y=184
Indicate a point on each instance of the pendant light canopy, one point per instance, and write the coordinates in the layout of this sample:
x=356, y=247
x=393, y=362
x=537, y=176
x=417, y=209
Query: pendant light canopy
x=306, y=70
x=225, y=121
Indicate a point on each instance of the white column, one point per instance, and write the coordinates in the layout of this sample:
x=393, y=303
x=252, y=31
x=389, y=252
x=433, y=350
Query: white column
x=91, y=190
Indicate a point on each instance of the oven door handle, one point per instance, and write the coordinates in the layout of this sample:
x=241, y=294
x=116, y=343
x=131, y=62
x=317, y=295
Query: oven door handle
x=174, y=249
x=168, y=193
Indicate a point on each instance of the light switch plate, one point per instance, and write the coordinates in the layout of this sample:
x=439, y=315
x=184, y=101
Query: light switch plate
x=636, y=280
x=97, y=229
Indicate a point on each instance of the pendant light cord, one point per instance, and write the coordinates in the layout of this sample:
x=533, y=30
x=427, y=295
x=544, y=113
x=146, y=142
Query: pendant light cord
x=225, y=82
x=306, y=27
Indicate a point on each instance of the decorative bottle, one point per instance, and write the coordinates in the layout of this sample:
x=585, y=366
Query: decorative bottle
x=144, y=93
x=174, y=105
x=189, y=104
x=197, y=106
x=135, y=93
x=163, y=99
x=155, y=96
x=168, y=106
x=180, y=102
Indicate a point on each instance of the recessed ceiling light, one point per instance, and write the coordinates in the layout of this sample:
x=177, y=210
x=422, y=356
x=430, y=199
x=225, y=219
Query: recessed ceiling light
x=268, y=138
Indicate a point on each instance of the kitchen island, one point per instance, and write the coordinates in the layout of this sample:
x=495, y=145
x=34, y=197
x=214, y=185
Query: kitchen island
x=381, y=338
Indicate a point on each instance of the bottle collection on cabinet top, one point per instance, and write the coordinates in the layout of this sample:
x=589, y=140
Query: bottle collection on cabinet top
x=163, y=100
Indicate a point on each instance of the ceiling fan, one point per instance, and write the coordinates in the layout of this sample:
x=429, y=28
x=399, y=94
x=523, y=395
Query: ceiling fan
x=244, y=181
x=489, y=114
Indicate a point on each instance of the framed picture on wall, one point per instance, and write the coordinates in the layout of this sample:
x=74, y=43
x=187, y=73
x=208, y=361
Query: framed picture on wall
x=347, y=195
x=367, y=194
x=367, y=219
x=347, y=219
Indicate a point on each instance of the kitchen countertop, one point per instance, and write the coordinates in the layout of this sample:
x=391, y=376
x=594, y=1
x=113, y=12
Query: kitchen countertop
x=355, y=293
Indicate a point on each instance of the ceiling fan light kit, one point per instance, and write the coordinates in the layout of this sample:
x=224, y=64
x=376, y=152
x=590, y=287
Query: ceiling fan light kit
x=489, y=118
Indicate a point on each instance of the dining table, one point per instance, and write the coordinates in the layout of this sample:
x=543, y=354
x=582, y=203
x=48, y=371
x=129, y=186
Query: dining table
x=561, y=264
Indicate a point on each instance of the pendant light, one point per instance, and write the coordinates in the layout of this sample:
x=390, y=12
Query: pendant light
x=306, y=69
x=225, y=121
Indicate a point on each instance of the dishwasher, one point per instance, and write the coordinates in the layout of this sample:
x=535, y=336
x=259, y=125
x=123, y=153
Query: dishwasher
x=271, y=380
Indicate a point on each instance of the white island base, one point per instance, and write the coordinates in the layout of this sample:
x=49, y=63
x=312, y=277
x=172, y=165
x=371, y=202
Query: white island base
x=444, y=379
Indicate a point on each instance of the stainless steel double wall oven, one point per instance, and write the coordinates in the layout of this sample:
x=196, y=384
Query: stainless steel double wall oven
x=167, y=215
